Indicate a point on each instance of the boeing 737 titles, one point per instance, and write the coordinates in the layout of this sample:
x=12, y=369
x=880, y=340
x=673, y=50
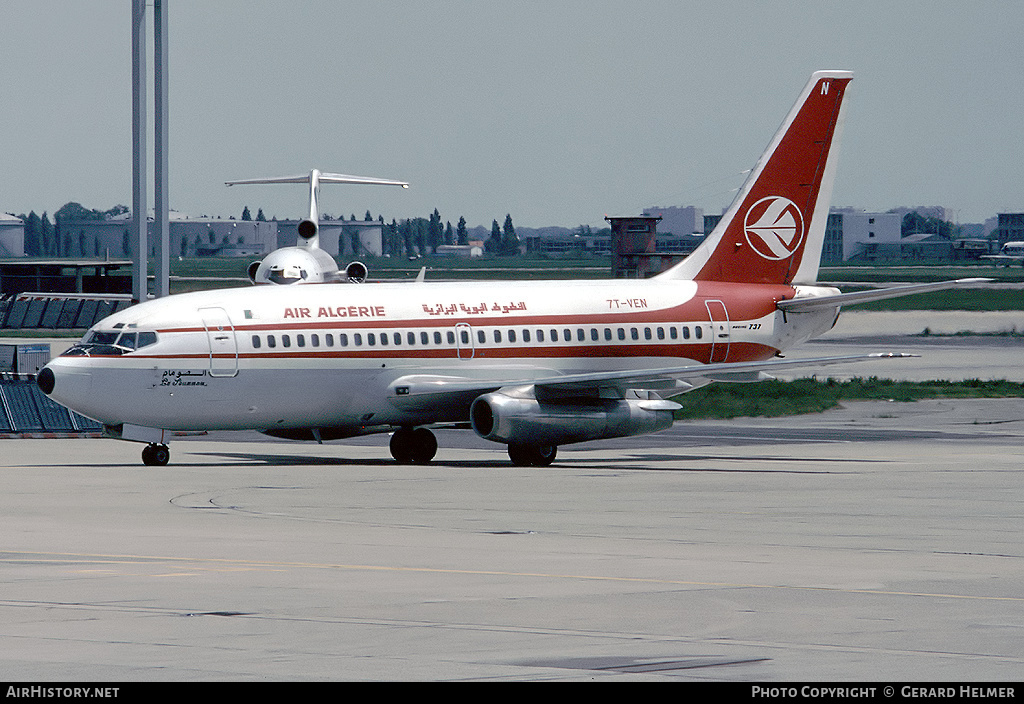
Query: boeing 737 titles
x=533, y=365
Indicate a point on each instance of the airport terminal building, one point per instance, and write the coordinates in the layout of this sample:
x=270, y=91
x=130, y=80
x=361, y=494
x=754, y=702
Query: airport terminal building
x=12, y=236
x=216, y=237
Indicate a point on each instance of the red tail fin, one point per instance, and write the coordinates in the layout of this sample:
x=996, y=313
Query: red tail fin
x=774, y=230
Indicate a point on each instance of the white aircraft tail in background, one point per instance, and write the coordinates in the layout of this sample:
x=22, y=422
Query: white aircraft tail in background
x=306, y=262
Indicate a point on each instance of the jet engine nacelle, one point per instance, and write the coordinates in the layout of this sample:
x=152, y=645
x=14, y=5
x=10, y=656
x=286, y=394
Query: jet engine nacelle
x=356, y=272
x=308, y=229
x=513, y=420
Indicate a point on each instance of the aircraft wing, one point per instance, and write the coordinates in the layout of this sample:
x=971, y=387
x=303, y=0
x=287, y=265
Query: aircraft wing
x=421, y=389
x=840, y=299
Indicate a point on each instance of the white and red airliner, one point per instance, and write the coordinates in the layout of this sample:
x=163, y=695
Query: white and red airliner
x=533, y=365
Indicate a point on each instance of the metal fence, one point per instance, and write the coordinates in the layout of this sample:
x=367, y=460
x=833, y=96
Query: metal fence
x=58, y=312
x=26, y=409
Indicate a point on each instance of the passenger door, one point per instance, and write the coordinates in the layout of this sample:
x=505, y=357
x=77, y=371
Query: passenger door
x=220, y=334
x=720, y=330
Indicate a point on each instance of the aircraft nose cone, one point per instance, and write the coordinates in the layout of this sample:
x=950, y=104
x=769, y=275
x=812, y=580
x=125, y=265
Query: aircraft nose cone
x=45, y=380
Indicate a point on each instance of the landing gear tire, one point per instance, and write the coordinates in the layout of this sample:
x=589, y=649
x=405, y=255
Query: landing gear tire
x=413, y=446
x=154, y=455
x=532, y=455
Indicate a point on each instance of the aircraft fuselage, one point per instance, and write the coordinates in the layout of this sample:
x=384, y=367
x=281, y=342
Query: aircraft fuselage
x=334, y=355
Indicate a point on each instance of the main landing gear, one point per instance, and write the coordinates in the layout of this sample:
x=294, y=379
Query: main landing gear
x=418, y=446
x=532, y=455
x=155, y=455
x=409, y=446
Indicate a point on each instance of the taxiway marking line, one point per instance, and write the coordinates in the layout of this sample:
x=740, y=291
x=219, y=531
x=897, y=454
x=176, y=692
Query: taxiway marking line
x=257, y=564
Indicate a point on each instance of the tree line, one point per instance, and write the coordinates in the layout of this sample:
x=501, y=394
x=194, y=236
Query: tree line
x=419, y=236
x=410, y=237
x=914, y=223
x=52, y=239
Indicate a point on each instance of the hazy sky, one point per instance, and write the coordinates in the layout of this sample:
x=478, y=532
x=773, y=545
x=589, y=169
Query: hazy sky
x=558, y=112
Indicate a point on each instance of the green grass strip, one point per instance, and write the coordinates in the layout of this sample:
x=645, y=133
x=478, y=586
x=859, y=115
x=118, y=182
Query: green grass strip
x=785, y=398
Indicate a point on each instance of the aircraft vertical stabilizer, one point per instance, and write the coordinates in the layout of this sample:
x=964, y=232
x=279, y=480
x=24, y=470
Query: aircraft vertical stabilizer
x=774, y=230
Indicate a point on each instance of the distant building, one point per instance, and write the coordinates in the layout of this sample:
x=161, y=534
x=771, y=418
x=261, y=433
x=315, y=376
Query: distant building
x=12, y=236
x=926, y=247
x=557, y=242
x=340, y=238
x=970, y=248
x=832, y=248
x=1009, y=228
x=711, y=222
x=678, y=244
x=974, y=231
x=928, y=211
x=464, y=251
x=855, y=235
x=678, y=220
x=871, y=236
x=991, y=225
x=209, y=237
x=189, y=237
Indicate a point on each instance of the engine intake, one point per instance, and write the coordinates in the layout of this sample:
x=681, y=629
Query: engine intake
x=307, y=229
x=513, y=420
x=356, y=272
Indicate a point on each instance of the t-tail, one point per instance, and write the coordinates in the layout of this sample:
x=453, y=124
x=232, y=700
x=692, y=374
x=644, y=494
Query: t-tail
x=309, y=227
x=306, y=262
x=773, y=231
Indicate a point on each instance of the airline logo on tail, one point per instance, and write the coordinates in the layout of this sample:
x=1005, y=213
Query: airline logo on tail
x=774, y=227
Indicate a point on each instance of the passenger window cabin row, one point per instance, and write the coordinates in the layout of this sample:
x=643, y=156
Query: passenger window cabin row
x=461, y=335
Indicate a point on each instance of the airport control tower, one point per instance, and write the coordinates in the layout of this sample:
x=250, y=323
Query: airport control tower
x=634, y=247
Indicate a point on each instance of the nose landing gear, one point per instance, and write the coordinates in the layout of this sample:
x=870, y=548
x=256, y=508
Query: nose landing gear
x=156, y=455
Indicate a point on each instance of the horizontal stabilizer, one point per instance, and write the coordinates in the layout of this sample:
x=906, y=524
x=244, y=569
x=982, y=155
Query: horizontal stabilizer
x=323, y=178
x=309, y=228
x=845, y=299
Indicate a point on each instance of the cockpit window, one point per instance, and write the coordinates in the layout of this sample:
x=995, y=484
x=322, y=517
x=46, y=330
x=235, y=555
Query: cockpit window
x=109, y=343
x=287, y=275
x=100, y=338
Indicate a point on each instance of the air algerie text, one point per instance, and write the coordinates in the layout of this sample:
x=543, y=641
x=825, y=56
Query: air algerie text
x=337, y=312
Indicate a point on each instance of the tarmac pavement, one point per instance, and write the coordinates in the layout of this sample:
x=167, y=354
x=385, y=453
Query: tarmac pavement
x=879, y=542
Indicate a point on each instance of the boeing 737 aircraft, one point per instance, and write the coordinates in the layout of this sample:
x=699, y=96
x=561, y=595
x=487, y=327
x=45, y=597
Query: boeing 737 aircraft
x=533, y=365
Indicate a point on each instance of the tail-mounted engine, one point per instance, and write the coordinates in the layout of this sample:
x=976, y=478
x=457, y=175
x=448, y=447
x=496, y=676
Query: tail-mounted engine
x=307, y=230
x=355, y=273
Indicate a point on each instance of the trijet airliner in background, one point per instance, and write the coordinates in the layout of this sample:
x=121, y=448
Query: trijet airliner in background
x=533, y=365
x=1009, y=254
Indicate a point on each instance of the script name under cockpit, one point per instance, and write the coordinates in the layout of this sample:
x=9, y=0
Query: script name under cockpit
x=336, y=312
